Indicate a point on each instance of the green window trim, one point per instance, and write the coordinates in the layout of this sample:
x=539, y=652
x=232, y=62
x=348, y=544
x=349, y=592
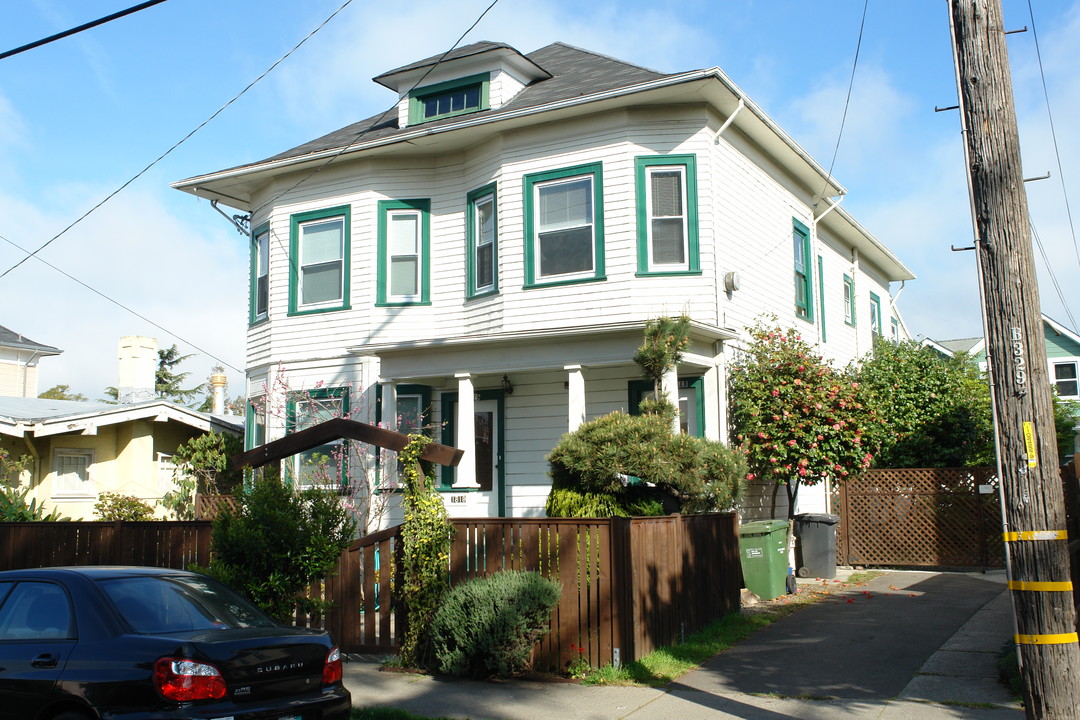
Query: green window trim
x=894, y=329
x=296, y=223
x=850, y=316
x=532, y=184
x=875, y=315
x=421, y=209
x=821, y=295
x=291, y=423
x=476, y=271
x=804, y=271
x=259, y=278
x=686, y=166
x=433, y=102
x=254, y=430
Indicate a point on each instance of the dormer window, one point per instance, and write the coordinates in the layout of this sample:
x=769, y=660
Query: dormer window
x=455, y=97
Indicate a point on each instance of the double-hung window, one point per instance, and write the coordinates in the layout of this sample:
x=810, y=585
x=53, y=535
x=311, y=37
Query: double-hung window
x=1065, y=379
x=564, y=234
x=260, y=274
x=667, y=214
x=804, y=279
x=875, y=314
x=319, y=266
x=404, y=251
x=482, y=262
x=849, y=300
x=327, y=464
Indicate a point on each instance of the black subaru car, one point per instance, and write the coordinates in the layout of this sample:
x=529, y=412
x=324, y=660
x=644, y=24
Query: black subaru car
x=112, y=643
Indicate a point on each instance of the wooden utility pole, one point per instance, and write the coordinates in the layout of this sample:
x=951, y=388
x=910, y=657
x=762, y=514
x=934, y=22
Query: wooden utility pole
x=1033, y=508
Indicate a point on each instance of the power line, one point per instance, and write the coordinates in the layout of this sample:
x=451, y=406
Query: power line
x=122, y=306
x=86, y=26
x=847, y=100
x=161, y=157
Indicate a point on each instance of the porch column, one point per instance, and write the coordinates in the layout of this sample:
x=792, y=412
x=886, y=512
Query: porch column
x=465, y=475
x=671, y=392
x=388, y=416
x=576, y=403
x=715, y=416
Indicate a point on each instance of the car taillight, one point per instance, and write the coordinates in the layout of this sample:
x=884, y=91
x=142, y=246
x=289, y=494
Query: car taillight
x=331, y=672
x=185, y=680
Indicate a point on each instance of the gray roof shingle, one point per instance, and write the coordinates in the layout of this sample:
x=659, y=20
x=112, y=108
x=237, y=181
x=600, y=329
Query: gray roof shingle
x=9, y=338
x=575, y=72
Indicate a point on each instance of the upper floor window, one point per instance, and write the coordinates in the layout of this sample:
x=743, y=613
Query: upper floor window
x=455, y=97
x=804, y=279
x=260, y=274
x=875, y=314
x=404, y=252
x=319, y=254
x=255, y=422
x=482, y=237
x=1065, y=379
x=849, y=300
x=667, y=214
x=564, y=234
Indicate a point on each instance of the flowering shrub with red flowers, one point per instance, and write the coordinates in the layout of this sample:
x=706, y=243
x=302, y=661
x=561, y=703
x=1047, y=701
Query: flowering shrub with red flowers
x=797, y=419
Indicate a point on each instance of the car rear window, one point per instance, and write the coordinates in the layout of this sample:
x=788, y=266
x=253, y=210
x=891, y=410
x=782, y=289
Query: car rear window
x=180, y=603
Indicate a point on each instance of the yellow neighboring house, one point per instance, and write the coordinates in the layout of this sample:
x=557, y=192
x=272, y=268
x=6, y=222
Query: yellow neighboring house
x=78, y=450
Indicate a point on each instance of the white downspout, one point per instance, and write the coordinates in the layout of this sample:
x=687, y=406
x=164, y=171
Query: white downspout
x=730, y=119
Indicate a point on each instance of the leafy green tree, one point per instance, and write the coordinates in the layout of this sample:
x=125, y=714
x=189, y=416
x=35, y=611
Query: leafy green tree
x=277, y=542
x=114, y=506
x=592, y=466
x=935, y=409
x=168, y=382
x=203, y=465
x=798, y=419
x=61, y=392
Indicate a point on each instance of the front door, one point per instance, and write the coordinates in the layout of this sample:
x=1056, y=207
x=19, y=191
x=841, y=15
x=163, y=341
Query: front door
x=488, y=429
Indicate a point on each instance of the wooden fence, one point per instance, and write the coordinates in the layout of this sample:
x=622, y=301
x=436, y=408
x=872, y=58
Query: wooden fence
x=630, y=585
x=921, y=517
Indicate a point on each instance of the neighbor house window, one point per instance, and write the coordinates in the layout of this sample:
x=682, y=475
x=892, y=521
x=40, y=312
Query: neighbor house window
x=260, y=274
x=804, y=280
x=325, y=465
x=564, y=235
x=456, y=97
x=255, y=423
x=73, y=477
x=1065, y=379
x=849, y=300
x=894, y=329
x=667, y=214
x=319, y=267
x=404, y=251
x=875, y=314
x=482, y=237
x=166, y=471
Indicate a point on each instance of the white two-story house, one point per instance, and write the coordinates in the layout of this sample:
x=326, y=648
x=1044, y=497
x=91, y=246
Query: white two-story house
x=487, y=253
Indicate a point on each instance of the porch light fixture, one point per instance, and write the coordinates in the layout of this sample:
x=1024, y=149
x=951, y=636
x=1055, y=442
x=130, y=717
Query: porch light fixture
x=508, y=389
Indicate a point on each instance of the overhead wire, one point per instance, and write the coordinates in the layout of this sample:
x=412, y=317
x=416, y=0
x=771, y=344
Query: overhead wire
x=1050, y=271
x=168, y=152
x=80, y=28
x=122, y=306
x=1057, y=156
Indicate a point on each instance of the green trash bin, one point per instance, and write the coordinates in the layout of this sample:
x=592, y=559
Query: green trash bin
x=763, y=553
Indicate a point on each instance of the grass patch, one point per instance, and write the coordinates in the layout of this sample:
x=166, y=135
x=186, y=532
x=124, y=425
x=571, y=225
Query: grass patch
x=666, y=664
x=387, y=713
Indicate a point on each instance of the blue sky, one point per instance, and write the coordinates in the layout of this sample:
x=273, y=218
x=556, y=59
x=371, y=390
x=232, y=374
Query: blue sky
x=80, y=117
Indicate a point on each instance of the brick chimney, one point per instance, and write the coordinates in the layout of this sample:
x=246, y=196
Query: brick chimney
x=138, y=368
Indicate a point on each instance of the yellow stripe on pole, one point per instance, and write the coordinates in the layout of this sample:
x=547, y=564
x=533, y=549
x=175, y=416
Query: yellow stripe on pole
x=1035, y=586
x=1036, y=535
x=1062, y=639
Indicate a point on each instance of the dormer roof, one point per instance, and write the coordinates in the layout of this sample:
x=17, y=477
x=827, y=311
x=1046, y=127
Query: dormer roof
x=462, y=61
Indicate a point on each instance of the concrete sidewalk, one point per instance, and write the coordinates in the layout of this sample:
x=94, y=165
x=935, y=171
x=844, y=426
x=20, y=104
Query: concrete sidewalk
x=908, y=645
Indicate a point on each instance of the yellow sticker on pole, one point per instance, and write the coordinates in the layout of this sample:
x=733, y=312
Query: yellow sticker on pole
x=1029, y=443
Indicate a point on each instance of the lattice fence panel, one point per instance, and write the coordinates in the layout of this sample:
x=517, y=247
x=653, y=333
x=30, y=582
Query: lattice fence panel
x=921, y=517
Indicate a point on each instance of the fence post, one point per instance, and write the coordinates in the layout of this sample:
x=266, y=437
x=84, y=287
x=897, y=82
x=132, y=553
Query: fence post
x=622, y=592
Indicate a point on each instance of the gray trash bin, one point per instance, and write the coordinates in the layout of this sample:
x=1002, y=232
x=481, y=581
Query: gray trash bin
x=815, y=551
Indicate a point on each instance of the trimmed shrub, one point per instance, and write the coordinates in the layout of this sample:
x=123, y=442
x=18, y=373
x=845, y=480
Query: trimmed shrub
x=114, y=506
x=488, y=626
